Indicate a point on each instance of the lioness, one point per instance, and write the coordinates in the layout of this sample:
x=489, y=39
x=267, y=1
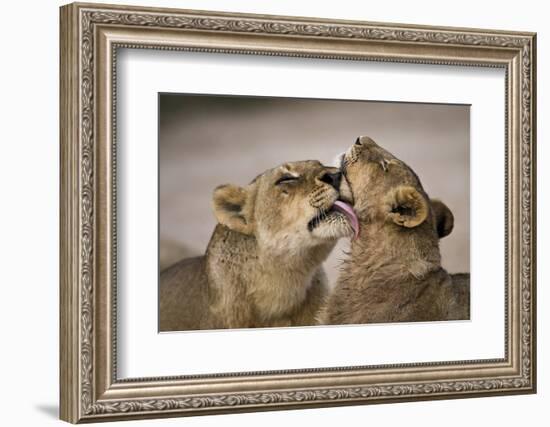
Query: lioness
x=263, y=264
x=394, y=272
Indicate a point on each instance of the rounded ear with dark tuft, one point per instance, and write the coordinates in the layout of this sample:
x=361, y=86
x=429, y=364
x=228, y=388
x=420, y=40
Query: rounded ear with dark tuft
x=230, y=203
x=407, y=207
x=444, y=218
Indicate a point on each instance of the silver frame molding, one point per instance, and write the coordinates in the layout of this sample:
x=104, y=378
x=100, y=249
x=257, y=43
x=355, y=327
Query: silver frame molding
x=90, y=37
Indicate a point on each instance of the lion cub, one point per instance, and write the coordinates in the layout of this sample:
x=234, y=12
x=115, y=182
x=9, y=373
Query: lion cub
x=394, y=273
x=263, y=264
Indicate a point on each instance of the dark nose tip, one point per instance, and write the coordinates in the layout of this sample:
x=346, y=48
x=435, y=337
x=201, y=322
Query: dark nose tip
x=365, y=141
x=332, y=179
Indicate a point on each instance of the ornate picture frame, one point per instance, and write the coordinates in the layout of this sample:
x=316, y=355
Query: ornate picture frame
x=90, y=37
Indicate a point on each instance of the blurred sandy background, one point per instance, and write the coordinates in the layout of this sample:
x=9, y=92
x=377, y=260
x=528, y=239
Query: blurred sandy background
x=205, y=141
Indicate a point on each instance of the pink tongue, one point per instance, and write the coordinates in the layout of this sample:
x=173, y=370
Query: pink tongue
x=348, y=211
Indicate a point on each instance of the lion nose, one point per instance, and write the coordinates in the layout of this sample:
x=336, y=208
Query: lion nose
x=365, y=141
x=332, y=179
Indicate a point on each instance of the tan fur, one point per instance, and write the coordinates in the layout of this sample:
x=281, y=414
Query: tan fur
x=394, y=271
x=263, y=264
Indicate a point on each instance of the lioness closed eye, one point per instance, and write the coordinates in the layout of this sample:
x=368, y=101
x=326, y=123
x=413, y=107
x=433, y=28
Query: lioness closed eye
x=263, y=264
x=394, y=271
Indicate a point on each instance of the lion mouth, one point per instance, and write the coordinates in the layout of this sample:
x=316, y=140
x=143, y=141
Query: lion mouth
x=350, y=214
x=338, y=208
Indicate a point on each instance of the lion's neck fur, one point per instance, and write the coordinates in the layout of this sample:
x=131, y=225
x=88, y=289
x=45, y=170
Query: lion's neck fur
x=275, y=282
x=386, y=253
x=392, y=274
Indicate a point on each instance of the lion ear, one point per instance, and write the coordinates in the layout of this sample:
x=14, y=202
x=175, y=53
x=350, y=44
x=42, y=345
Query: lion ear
x=231, y=208
x=444, y=218
x=407, y=207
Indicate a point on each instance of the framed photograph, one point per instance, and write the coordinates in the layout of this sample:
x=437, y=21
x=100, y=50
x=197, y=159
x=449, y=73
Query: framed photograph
x=266, y=212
